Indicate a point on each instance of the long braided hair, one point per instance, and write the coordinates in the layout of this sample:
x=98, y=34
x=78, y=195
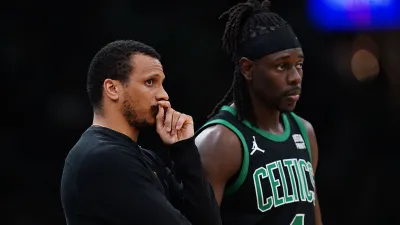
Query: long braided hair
x=245, y=20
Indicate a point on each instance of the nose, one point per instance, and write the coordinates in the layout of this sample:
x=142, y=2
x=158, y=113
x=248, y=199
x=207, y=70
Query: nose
x=162, y=95
x=295, y=77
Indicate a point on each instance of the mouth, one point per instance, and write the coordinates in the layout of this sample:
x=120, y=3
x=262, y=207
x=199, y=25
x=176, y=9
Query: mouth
x=294, y=92
x=154, y=110
x=294, y=95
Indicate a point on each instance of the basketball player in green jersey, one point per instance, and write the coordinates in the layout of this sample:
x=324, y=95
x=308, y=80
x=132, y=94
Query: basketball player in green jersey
x=259, y=156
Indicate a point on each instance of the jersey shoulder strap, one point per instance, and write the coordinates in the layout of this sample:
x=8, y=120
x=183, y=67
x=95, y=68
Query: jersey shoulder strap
x=303, y=131
x=227, y=117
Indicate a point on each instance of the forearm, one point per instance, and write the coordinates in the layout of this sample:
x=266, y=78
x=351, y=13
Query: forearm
x=198, y=196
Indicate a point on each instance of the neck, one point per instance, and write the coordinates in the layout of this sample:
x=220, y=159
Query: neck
x=116, y=122
x=268, y=118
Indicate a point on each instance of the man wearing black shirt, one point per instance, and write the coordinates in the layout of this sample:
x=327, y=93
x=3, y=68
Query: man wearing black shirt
x=107, y=177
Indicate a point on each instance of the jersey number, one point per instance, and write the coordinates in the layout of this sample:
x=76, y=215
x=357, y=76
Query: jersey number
x=298, y=220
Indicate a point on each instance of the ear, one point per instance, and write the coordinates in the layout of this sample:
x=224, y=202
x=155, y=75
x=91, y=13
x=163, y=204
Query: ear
x=246, y=67
x=112, y=89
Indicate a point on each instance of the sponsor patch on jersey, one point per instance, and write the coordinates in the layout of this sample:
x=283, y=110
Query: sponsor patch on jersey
x=298, y=140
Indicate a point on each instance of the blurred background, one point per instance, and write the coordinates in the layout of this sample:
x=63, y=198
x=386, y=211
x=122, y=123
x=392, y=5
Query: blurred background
x=351, y=91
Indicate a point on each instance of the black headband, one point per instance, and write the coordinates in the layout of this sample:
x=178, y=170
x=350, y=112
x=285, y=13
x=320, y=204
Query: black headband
x=282, y=38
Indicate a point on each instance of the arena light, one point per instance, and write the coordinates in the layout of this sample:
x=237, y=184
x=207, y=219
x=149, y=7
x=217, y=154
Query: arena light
x=348, y=15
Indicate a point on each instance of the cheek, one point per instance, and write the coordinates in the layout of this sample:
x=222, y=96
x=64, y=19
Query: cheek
x=135, y=101
x=267, y=83
x=145, y=103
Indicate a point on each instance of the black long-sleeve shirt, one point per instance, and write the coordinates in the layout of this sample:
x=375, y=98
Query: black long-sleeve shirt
x=109, y=179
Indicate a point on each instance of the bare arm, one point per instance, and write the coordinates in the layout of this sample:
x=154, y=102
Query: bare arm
x=221, y=155
x=314, y=155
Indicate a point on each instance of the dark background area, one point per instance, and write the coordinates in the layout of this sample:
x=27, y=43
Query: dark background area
x=46, y=50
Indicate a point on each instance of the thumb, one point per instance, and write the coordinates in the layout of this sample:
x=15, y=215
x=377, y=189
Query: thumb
x=160, y=117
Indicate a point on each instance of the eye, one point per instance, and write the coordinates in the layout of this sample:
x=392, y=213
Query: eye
x=281, y=67
x=149, y=82
x=299, y=66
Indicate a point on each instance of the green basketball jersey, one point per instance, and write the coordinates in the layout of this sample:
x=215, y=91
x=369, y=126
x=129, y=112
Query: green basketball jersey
x=275, y=185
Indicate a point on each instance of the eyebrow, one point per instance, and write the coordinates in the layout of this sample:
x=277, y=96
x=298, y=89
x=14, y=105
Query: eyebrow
x=153, y=76
x=156, y=75
x=288, y=56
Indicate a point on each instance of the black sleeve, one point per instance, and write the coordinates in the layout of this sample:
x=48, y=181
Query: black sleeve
x=197, y=201
x=119, y=187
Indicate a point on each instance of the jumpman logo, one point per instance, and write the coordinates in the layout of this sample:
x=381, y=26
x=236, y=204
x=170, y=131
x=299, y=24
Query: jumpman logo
x=255, y=147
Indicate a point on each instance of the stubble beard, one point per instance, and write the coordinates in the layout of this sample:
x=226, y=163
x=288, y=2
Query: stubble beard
x=132, y=116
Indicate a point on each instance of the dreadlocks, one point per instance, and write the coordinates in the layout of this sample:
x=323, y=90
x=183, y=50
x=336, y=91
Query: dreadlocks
x=245, y=21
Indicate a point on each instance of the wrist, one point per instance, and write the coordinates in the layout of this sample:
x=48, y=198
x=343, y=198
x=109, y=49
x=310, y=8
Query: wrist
x=185, y=153
x=182, y=144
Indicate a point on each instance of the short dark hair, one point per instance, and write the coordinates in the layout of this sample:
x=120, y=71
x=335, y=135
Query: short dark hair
x=113, y=61
x=245, y=20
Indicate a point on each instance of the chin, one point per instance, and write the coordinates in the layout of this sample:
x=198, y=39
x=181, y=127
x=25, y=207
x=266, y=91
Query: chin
x=151, y=122
x=142, y=124
x=287, y=109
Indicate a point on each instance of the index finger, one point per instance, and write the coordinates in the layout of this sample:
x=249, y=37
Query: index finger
x=160, y=118
x=165, y=104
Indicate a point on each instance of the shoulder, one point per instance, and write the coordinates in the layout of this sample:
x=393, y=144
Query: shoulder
x=111, y=167
x=217, y=135
x=109, y=159
x=309, y=127
x=217, y=139
x=313, y=140
x=220, y=149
